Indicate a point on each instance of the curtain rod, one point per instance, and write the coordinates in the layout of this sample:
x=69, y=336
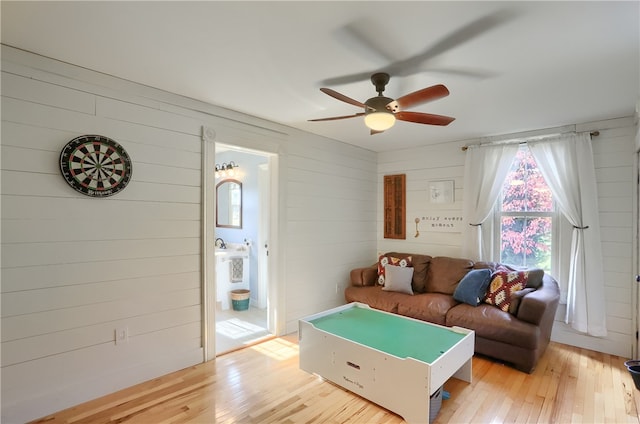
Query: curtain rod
x=519, y=140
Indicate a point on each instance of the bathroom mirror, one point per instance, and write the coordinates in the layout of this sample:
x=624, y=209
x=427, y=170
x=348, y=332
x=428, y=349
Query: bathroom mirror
x=229, y=204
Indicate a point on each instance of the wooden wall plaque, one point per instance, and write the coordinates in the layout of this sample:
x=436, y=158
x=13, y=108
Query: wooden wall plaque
x=395, y=206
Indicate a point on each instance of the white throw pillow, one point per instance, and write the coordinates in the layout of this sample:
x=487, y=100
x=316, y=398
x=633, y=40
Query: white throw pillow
x=398, y=278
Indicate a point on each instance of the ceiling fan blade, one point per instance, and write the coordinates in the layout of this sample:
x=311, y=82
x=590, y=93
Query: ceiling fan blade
x=415, y=64
x=369, y=40
x=421, y=96
x=470, y=30
x=337, y=117
x=473, y=29
x=342, y=97
x=347, y=79
x=424, y=118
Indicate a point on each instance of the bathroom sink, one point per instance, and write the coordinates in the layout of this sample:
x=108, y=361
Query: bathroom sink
x=233, y=249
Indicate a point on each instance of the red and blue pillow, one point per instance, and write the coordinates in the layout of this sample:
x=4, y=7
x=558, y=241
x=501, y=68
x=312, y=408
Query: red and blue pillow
x=384, y=260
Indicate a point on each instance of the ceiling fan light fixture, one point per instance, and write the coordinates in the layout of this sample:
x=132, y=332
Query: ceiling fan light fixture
x=379, y=120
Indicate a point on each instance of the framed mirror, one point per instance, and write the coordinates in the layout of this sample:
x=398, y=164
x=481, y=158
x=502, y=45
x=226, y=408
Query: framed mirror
x=229, y=204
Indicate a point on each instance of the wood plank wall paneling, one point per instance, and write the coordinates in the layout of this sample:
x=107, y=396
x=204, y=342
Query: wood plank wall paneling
x=421, y=165
x=331, y=219
x=614, y=163
x=75, y=268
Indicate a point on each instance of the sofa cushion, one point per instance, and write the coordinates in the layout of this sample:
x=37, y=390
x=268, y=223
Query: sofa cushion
x=398, y=279
x=420, y=265
x=473, y=287
x=503, y=285
x=491, y=323
x=375, y=297
x=516, y=298
x=365, y=276
x=445, y=273
x=535, y=277
x=431, y=307
x=388, y=259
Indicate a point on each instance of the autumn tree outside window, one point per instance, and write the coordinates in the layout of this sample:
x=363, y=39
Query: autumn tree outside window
x=526, y=216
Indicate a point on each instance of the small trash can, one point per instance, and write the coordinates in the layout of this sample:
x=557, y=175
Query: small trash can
x=634, y=369
x=240, y=299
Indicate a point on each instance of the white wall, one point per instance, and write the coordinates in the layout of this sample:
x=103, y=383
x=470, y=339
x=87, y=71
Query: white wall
x=331, y=224
x=614, y=161
x=421, y=165
x=75, y=268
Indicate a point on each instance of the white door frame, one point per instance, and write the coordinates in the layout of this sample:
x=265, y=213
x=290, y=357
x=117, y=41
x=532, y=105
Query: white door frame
x=263, y=236
x=249, y=140
x=208, y=257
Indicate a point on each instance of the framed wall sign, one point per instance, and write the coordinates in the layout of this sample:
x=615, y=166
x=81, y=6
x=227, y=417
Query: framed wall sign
x=95, y=165
x=441, y=191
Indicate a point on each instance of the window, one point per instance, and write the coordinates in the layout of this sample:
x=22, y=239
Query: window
x=526, y=216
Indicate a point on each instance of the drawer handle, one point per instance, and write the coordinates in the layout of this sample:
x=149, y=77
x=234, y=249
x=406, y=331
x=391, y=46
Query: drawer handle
x=352, y=365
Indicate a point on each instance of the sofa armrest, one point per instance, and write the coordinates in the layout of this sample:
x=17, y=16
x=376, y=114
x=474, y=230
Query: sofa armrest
x=366, y=276
x=539, y=307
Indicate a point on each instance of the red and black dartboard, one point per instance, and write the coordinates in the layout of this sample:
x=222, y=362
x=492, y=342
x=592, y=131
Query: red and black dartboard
x=95, y=165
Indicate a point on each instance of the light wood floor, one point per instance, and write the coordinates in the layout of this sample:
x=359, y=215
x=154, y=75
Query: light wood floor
x=263, y=384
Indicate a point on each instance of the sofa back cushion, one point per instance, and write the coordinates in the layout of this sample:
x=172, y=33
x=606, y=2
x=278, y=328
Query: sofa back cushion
x=420, y=264
x=444, y=274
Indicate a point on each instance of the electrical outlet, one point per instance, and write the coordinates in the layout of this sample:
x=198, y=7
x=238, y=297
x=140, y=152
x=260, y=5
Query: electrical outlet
x=337, y=288
x=122, y=335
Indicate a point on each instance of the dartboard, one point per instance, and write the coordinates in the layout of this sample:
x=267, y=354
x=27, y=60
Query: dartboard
x=95, y=165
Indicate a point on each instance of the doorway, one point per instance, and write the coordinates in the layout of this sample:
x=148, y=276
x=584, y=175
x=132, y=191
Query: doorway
x=242, y=302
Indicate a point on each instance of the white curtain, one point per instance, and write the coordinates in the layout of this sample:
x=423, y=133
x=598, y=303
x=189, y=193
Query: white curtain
x=566, y=163
x=485, y=169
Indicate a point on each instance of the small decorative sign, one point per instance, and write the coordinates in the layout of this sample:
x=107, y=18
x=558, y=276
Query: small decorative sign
x=441, y=191
x=446, y=223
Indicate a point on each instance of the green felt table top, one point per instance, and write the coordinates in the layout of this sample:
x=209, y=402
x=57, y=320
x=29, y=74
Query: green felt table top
x=392, y=334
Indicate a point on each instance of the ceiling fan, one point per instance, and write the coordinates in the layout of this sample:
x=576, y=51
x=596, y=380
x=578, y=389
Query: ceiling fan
x=380, y=112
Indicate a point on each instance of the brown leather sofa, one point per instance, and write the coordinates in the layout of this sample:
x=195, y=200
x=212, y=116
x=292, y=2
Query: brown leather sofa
x=519, y=336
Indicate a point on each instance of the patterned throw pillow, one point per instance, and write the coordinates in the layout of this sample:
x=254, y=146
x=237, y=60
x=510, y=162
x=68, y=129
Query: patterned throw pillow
x=503, y=285
x=384, y=260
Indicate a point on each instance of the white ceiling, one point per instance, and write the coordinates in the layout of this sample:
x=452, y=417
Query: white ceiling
x=543, y=64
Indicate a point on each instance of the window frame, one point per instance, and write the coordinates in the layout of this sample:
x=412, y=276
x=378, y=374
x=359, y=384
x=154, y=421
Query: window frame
x=555, y=216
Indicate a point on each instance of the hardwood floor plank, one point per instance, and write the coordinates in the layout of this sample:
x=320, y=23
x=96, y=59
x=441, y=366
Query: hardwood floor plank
x=263, y=384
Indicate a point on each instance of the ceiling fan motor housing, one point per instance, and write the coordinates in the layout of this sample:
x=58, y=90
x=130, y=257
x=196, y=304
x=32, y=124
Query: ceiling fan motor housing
x=377, y=104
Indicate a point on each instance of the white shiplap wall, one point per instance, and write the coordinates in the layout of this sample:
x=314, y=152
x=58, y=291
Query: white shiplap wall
x=330, y=223
x=74, y=268
x=421, y=165
x=614, y=162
